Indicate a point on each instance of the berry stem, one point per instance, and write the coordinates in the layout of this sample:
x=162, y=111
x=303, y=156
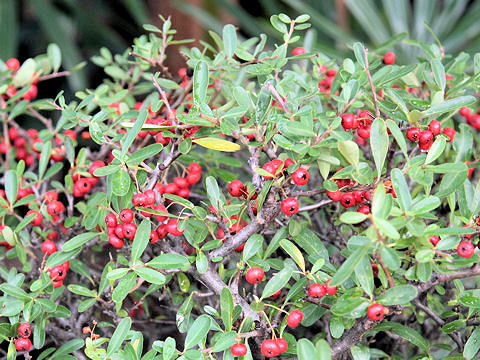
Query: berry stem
x=377, y=110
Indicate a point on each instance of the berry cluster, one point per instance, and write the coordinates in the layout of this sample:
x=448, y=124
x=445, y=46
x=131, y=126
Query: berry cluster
x=361, y=123
x=273, y=347
x=125, y=228
x=426, y=138
x=23, y=343
x=325, y=84
x=83, y=185
x=318, y=290
x=13, y=65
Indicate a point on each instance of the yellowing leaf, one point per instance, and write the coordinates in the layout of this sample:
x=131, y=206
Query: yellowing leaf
x=217, y=144
x=148, y=127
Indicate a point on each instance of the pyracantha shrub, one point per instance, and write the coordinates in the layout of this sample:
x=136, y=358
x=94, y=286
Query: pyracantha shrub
x=259, y=203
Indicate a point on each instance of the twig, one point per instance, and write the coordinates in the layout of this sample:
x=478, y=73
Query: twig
x=377, y=111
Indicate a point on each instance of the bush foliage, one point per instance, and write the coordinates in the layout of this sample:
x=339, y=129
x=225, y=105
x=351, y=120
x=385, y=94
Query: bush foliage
x=257, y=195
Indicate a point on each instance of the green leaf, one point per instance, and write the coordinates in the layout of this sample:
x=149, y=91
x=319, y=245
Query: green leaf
x=379, y=144
x=352, y=217
x=213, y=192
x=133, y=132
x=226, y=308
x=119, y=336
x=140, y=241
x=277, y=282
x=436, y=150
x=224, y=341
x=15, y=291
x=386, y=228
x=78, y=241
x=198, y=331
x=438, y=73
x=54, y=56
x=451, y=182
x=121, y=183
x=150, y=275
x=201, y=262
x=117, y=273
x=200, y=83
x=68, y=348
x=398, y=295
x=401, y=189
x=350, y=151
x=347, y=268
x=364, y=274
x=428, y=204
x=143, y=154
x=323, y=350
x=11, y=186
x=449, y=105
x=404, y=332
x=358, y=51
x=229, y=39
x=252, y=246
x=169, y=261
x=44, y=158
x=306, y=350
x=294, y=253
x=81, y=290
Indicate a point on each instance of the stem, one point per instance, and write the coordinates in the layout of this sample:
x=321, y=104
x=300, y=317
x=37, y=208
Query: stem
x=374, y=93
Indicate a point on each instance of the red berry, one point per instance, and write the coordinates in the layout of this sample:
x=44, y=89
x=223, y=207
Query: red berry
x=111, y=221
x=95, y=165
x=364, y=209
x=465, y=249
x=119, y=231
x=317, y=290
x=184, y=193
x=334, y=195
x=359, y=196
x=349, y=121
x=115, y=241
x=290, y=206
x=181, y=182
x=389, y=58
x=282, y=345
x=254, y=275
x=139, y=200
x=53, y=235
x=126, y=216
x=300, y=176
x=450, y=132
x=150, y=197
x=23, y=344
x=57, y=284
x=236, y=188
x=37, y=220
x=464, y=111
x=298, y=51
x=31, y=93
x=24, y=330
x=276, y=295
x=55, y=208
x=13, y=64
x=238, y=350
x=413, y=134
x=153, y=237
x=435, y=127
x=376, y=312
x=49, y=247
x=287, y=163
x=434, y=240
x=347, y=200
x=172, y=227
x=162, y=231
x=194, y=178
x=160, y=208
x=331, y=290
x=364, y=131
x=171, y=188
x=50, y=196
x=129, y=231
x=194, y=168
x=426, y=136
x=57, y=273
x=294, y=318
x=269, y=348
x=269, y=168
x=277, y=165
